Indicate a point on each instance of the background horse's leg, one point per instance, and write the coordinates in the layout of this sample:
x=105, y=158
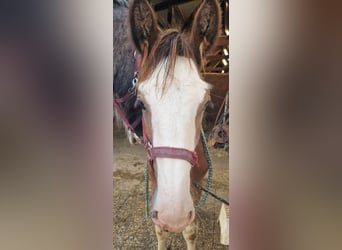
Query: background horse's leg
x=190, y=235
x=162, y=237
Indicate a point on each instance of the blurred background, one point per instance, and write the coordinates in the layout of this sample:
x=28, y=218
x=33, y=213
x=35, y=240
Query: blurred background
x=56, y=124
x=285, y=124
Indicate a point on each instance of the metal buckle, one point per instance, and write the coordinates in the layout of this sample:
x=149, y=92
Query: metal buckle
x=149, y=154
x=195, y=158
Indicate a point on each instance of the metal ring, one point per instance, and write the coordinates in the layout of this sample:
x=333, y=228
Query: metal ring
x=216, y=135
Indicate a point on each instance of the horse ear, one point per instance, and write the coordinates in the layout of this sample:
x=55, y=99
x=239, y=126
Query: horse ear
x=206, y=25
x=143, y=25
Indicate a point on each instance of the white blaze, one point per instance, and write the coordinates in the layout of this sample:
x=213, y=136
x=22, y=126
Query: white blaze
x=173, y=116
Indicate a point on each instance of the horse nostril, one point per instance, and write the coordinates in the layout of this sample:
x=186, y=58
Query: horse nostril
x=155, y=214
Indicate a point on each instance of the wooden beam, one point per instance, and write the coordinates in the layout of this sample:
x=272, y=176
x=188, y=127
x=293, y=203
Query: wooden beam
x=216, y=57
x=178, y=17
x=165, y=4
x=169, y=15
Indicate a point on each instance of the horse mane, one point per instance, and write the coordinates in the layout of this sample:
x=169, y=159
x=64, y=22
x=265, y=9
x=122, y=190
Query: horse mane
x=169, y=45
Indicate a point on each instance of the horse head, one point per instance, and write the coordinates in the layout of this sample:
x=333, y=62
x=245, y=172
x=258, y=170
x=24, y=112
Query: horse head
x=173, y=98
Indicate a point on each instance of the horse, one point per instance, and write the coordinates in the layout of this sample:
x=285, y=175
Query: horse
x=172, y=98
x=124, y=69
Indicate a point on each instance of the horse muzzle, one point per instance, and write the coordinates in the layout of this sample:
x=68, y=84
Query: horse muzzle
x=170, y=221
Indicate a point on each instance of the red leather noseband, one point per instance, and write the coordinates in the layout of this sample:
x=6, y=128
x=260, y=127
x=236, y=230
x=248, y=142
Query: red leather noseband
x=168, y=152
x=117, y=102
x=174, y=153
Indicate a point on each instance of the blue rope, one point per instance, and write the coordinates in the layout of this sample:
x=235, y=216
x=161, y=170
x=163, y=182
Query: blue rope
x=210, y=171
x=146, y=191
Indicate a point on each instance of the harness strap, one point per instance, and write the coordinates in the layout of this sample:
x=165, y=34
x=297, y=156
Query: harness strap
x=168, y=152
x=123, y=117
x=174, y=153
x=128, y=95
x=136, y=122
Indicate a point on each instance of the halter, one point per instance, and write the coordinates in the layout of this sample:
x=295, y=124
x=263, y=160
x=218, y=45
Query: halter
x=149, y=166
x=168, y=152
x=130, y=94
x=125, y=98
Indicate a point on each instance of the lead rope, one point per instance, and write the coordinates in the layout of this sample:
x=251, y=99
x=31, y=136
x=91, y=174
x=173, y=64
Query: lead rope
x=210, y=171
x=208, y=185
x=146, y=191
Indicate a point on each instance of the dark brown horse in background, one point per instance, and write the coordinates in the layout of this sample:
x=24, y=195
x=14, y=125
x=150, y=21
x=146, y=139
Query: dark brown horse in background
x=124, y=66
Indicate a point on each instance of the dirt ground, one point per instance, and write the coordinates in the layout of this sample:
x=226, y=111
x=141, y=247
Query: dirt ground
x=131, y=230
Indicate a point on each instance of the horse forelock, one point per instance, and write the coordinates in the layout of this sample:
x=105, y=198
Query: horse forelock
x=169, y=45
